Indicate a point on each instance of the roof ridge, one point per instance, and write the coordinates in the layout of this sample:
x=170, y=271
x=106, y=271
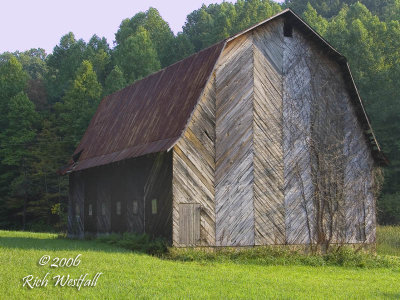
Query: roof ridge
x=166, y=67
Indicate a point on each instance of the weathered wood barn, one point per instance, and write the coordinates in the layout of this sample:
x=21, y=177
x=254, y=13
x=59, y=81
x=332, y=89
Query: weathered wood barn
x=260, y=139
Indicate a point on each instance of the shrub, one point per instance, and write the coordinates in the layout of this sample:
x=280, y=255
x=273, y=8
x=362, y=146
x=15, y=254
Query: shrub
x=342, y=256
x=40, y=226
x=136, y=242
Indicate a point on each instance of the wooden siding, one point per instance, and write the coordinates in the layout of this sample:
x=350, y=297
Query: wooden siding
x=234, y=174
x=297, y=97
x=343, y=171
x=326, y=156
x=158, y=185
x=326, y=146
x=135, y=222
x=194, y=168
x=76, y=199
x=269, y=210
x=103, y=191
x=359, y=183
x=91, y=199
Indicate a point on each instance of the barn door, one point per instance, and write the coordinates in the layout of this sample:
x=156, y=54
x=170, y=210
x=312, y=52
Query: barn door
x=189, y=224
x=118, y=215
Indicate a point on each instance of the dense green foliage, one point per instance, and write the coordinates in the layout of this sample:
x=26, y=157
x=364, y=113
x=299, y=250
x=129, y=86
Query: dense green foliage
x=132, y=275
x=47, y=101
x=384, y=9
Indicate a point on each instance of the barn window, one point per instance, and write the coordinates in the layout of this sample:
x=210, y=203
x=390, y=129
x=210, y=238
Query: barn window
x=135, y=207
x=90, y=210
x=360, y=231
x=103, y=209
x=287, y=29
x=77, y=210
x=118, y=208
x=154, y=206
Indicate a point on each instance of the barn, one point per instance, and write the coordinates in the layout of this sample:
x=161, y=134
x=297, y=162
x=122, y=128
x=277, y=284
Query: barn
x=261, y=139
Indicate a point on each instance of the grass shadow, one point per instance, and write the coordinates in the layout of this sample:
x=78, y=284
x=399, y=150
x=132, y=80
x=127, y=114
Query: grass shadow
x=57, y=244
x=390, y=295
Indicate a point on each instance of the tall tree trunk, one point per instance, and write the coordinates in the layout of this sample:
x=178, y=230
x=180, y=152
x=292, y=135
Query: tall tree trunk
x=24, y=214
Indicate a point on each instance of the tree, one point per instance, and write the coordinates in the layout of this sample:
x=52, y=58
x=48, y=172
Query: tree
x=311, y=16
x=210, y=24
x=384, y=9
x=63, y=64
x=198, y=27
x=99, y=54
x=79, y=104
x=34, y=64
x=114, y=81
x=182, y=46
x=16, y=142
x=137, y=56
x=159, y=34
x=48, y=204
x=251, y=12
x=13, y=80
x=326, y=8
x=391, y=12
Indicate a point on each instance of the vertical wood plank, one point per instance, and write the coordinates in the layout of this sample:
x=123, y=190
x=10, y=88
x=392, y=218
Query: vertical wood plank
x=189, y=224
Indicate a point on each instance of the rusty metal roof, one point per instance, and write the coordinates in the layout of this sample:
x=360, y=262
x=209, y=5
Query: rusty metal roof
x=149, y=115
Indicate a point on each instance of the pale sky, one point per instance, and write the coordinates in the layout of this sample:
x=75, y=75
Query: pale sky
x=26, y=24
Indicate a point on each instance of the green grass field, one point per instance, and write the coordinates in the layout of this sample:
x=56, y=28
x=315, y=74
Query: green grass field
x=128, y=275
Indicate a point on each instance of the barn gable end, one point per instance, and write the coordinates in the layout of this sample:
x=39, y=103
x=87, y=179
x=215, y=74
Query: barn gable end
x=279, y=102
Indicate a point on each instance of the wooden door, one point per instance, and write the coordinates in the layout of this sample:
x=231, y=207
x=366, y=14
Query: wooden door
x=118, y=215
x=189, y=224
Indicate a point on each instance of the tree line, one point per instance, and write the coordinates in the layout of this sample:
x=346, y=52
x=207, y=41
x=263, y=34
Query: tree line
x=47, y=100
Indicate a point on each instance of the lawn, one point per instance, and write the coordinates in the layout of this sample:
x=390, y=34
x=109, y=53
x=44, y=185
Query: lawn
x=132, y=275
